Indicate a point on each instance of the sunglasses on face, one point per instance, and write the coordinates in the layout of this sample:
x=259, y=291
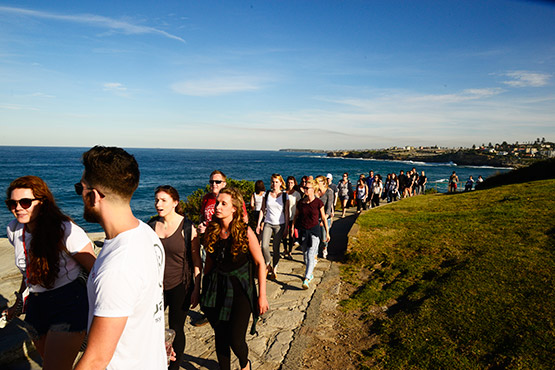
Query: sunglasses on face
x=79, y=189
x=212, y=182
x=25, y=203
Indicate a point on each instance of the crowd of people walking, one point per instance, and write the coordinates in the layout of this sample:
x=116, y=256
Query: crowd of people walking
x=221, y=264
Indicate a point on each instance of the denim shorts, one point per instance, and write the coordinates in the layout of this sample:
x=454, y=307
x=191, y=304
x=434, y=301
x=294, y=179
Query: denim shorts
x=64, y=309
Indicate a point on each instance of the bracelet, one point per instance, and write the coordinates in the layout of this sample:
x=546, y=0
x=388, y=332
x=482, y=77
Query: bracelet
x=18, y=306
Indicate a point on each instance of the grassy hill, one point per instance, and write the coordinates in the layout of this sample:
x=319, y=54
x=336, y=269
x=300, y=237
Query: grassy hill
x=461, y=281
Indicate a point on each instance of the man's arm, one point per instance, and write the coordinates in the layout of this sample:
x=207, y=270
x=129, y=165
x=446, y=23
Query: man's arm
x=104, y=336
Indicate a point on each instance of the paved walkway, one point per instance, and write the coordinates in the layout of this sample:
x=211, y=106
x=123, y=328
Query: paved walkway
x=283, y=332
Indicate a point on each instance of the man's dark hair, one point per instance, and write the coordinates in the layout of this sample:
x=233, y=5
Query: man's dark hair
x=113, y=169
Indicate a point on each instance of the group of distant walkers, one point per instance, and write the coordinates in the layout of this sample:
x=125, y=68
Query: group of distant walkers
x=468, y=186
x=369, y=191
x=117, y=299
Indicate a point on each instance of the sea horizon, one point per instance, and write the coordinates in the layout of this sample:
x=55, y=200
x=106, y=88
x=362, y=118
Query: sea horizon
x=189, y=169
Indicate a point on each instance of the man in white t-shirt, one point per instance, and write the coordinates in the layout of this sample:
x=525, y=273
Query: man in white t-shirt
x=126, y=308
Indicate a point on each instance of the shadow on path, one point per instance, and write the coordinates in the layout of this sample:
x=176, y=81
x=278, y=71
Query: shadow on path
x=339, y=234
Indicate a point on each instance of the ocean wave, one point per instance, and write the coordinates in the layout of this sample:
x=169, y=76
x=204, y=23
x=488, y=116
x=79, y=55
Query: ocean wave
x=491, y=167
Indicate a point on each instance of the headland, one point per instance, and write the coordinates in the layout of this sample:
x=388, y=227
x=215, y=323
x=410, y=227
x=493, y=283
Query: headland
x=495, y=155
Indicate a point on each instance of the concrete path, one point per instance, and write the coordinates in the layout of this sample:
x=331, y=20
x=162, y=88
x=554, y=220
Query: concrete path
x=283, y=332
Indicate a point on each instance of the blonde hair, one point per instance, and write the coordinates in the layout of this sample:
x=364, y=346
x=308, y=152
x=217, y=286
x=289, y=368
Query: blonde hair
x=280, y=178
x=324, y=181
x=314, y=184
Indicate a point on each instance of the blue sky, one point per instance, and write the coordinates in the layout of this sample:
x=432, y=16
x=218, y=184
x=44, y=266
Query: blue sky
x=276, y=74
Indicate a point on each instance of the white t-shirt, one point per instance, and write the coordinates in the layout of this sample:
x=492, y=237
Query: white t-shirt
x=293, y=199
x=75, y=239
x=127, y=281
x=274, y=210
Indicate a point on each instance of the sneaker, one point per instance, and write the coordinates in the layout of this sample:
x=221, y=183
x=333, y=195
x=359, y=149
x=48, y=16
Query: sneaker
x=307, y=281
x=200, y=322
x=325, y=252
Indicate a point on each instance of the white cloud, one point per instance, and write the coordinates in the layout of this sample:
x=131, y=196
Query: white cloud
x=93, y=20
x=16, y=107
x=116, y=87
x=216, y=86
x=527, y=79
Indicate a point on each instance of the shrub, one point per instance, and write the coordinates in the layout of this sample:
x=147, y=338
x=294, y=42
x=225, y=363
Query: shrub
x=192, y=205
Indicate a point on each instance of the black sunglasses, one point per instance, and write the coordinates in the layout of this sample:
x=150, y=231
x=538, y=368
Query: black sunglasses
x=212, y=182
x=25, y=203
x=79, y=189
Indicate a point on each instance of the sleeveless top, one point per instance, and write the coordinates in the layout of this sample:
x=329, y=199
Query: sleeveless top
x=361, y=192
x=179, y=258
x=275, y=214
x=258, y=202
x=217, y=286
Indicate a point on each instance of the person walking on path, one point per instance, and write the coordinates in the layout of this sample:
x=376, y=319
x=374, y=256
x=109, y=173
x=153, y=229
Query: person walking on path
x=125, y=286
x=229, y=291
x=377, y=188
x=309, y=211
x=422, y=181
x=294, y=196
x=273, y=221
x=345, y=189
x=453, y=180
x=362, y=195
x=257, y=198
x=325, y=194
x=51, y=252
x=183, y=263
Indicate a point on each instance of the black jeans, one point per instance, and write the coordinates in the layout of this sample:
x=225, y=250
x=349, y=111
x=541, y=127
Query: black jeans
x=179, y=300
x=231, y=334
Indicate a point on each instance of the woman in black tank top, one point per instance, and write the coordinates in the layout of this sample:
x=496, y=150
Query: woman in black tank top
x=183, y=263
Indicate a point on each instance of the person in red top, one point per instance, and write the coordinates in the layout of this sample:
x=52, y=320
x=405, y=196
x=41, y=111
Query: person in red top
x=217, y=182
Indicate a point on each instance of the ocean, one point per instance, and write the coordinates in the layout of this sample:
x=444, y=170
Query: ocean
x=189, y=169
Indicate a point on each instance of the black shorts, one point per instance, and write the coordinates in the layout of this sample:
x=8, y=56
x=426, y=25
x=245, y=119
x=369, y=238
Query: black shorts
x=64, y=309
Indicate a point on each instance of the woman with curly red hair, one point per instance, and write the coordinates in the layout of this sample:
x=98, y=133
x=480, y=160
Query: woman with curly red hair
x=51, y=252
x=228, y=291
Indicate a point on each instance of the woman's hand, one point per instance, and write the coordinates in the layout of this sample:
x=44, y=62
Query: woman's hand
x=12, y=312
x=258, y=229
x=263, y=304
x=195, y=297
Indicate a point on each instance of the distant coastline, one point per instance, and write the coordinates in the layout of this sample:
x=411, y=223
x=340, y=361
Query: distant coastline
x=460, y=157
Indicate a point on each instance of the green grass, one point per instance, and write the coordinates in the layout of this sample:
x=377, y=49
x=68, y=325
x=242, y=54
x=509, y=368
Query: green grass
x=464, y=281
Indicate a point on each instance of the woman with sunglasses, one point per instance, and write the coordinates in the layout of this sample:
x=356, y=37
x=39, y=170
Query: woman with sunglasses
x=183, y=263
x=51, y=252
x=307, y=219
x=229, y=296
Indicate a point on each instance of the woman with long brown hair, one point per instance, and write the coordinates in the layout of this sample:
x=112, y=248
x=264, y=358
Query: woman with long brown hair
x=51, y=252
x=183, y=263
x=229, y=296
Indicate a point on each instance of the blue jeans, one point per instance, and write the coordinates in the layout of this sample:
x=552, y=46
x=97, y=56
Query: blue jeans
x=323, y=235
x=310, y=245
